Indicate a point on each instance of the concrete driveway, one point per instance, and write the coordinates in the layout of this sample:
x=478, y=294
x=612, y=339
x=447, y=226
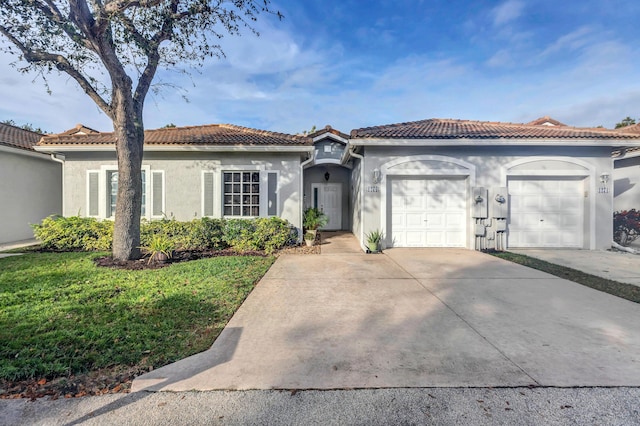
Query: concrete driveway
x=414, y=318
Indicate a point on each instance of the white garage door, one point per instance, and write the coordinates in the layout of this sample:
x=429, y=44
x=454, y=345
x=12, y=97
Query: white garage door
x=546, y=212
x=428, y=212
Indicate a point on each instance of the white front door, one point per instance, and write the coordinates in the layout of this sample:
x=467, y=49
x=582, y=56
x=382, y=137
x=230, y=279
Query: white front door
x=546, y=212
x=428, y=212
x=328, y=198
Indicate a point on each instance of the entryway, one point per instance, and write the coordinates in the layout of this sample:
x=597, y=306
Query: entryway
x=327, y=197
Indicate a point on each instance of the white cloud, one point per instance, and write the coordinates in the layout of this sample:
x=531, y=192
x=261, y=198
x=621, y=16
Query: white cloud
x=507, y=12
x=570, y=42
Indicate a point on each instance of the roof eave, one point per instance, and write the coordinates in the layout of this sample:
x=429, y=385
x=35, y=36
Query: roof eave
x=176, y=148
x=611, y=143
x=23, y=151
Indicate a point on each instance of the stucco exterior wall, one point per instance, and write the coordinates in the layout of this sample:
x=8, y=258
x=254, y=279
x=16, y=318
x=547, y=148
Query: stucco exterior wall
x=31, y=190
x=626, y=183
x=183, y=181
x=486, y=168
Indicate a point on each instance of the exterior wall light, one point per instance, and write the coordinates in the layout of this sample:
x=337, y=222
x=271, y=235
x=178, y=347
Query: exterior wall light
x=327, y=176
x=604, y=178
x=479, y=199
x=376, y=175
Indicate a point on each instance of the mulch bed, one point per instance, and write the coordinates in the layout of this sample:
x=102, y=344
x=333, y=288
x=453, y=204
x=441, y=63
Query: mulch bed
x=101, y=382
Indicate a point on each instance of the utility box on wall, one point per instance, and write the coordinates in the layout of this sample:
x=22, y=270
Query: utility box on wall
x=499, y=202
x=480, y=203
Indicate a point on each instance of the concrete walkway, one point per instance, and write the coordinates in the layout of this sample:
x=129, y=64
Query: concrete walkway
x=613, y=265
x=413, y=318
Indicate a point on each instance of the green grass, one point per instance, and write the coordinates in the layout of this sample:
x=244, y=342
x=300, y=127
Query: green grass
x=62, y=315
x=623, y=290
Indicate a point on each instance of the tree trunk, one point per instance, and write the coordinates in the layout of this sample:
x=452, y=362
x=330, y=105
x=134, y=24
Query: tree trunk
x=129, y=132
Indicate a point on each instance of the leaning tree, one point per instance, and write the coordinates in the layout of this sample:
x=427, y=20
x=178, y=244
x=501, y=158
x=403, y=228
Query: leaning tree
x=112, y=49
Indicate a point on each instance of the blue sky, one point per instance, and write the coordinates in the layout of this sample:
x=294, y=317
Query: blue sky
x=354, y=64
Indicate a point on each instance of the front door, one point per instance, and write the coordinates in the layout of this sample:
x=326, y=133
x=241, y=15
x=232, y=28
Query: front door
x=328, y=198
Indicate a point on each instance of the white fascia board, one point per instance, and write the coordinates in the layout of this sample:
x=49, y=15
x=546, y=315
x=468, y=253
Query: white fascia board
x=20, y=151
x=177, y=148
x=612, y=143
x=330, y=136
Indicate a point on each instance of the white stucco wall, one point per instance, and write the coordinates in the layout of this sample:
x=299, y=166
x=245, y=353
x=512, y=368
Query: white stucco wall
x=30, y=190
x=487, y=169
x=626, y=177
x=183, y=179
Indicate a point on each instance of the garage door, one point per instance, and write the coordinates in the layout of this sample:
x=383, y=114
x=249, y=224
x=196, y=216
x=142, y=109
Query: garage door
x=428, y=212
x=546, y=212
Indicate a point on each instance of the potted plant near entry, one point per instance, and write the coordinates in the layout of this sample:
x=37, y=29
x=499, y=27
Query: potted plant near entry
x=374, y=238
x=314, y=219
x=160, y=248
x=309, y=238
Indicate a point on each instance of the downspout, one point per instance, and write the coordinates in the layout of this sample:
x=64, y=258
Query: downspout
x=61, y=161
x=302, y=166
x=361, y=158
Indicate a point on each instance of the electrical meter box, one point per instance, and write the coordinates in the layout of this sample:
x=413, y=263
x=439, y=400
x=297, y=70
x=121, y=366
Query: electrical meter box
x=480, y=203
x=499, y=199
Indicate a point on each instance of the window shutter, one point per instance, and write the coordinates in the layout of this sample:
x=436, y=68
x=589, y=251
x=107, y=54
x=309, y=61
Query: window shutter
x=272, y=194
x=207, y=194
x=157, y=182
x=93, y=196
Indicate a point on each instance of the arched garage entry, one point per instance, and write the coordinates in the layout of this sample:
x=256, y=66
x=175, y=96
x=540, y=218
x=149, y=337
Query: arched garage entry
x=425, y=201
x=552, y=203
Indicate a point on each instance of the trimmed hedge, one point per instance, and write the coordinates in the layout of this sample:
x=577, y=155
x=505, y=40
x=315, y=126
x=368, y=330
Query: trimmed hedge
x=82, y=233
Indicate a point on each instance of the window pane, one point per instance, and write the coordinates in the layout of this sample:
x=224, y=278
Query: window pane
x=241, y=198
x=112, y=182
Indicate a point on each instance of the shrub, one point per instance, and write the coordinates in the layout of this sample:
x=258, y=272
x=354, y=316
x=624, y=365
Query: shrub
x=205, y=233
x=314, y=219
x=273, y=233
x=74, y=233
x=268, y=234
x=238, y=233
x=77, y=233
x=626, y=226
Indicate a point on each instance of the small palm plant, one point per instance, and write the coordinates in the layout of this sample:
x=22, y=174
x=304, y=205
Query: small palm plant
x=374, y=238
x=314, y=219
x=160, y=248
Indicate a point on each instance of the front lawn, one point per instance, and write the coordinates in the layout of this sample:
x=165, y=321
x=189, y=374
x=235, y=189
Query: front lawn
x=60, y=315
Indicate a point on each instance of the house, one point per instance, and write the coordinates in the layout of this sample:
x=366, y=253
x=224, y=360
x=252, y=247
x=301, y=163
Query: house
x=31, y=184
x=429, y=183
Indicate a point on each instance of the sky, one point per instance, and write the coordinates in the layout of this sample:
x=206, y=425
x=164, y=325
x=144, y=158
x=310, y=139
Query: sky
x=353, y=63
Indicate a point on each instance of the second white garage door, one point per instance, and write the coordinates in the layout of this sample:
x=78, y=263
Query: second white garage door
x=546, y=212
x=428, y=212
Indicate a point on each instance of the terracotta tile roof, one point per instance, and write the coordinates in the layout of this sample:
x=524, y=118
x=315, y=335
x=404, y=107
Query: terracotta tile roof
x=634, y=128
x=80, y=129
x=16, y=137
x=545, y=121
x=212, y=134
x=466, y=129
x=328, y=129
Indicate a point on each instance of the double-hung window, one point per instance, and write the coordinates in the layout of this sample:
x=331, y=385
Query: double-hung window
x=241, y=193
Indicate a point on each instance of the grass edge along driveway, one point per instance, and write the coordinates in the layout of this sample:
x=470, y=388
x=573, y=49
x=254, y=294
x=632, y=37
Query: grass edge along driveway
x=626, y=291
x=61, y=315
